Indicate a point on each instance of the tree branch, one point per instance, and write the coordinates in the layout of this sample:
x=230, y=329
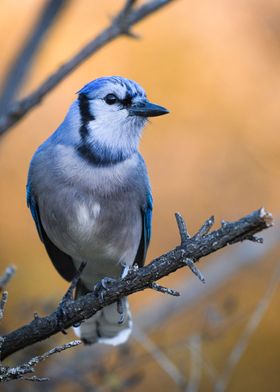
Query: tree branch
x=21, y=64
x=120, y=25
x=193, y=249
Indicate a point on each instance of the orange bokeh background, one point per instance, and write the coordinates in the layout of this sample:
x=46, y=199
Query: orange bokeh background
x=215, y=65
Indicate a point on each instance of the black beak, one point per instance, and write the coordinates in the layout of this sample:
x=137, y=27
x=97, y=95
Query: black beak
x=147, y=109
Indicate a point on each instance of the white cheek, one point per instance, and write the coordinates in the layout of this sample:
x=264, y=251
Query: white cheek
x=110, y=128
x=113, y=128
x=107, y=115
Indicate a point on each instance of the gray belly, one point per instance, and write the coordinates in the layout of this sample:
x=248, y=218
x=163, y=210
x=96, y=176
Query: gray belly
x=105, y=233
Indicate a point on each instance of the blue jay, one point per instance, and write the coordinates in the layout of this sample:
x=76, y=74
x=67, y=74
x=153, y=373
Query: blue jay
x=90, y=197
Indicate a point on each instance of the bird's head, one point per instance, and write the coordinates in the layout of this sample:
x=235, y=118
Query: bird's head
x=113, y=111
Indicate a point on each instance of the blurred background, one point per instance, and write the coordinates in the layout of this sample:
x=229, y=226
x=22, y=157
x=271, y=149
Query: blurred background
x=215, y=66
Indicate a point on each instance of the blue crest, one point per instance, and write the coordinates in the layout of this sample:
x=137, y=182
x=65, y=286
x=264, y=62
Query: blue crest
x=133, y=88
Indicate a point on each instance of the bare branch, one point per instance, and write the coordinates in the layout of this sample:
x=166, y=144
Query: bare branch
x=120, y=25
x=21, y=65
x=84, y=307
x=18, y=372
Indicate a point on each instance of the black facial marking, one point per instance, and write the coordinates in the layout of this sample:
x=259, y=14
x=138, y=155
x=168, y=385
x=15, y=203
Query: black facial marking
x=84, y=148
x=126, y=102
x=95, y=155
x=86, y=116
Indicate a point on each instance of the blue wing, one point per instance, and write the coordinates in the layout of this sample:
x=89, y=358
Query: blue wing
x=62, y=262
x=146, y=231
x=32, y=205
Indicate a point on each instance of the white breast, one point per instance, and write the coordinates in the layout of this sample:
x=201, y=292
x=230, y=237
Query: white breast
x=86, y=217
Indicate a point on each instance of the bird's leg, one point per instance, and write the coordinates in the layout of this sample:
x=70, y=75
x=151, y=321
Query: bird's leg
x=68, y=296
x=121, y=301
x=102, y=286
x=120, y=309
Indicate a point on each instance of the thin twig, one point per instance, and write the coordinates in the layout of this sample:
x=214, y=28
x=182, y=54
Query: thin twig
x=119, y=26
x=18, y=372
x=35, y=378
x=55, y=350
x=194, y=345
x=189, y=262
x=7, y=276
x=206, y=227
x=164, y=290
x=3, y=302
x=137, y=280
x=253, y=238
x=182, y=228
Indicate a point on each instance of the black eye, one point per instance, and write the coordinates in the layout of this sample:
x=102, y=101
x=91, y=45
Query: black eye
x=110, y=99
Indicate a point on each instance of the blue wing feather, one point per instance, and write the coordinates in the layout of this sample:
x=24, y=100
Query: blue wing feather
x=148, y=220
x=32, y=205
x=146, y=231
x=62, y=262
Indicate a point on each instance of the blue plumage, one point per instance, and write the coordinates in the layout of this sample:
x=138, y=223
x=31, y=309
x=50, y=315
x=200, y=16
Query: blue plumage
x=148, y=219
x=31, y=204
x=94, y=87
x=89, y=193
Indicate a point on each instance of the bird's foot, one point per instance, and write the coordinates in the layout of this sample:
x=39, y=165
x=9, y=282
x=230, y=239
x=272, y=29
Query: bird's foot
x=102, y=286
